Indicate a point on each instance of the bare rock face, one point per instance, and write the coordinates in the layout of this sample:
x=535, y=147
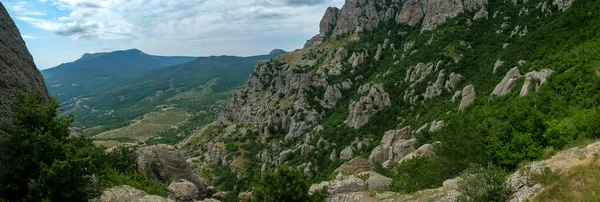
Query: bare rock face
x=468, y=97
x=361, y=15
x=534, y=81
x=436, y=126
x=435, y=90
x=129, y=194
x=367, y=106
x=328, y=23
x=17, y=69
x=183, y=191
x=163, y=163
x=439, y=10
x=347, y=153
x=412, y=12
x=508, y=82
x=395, y=145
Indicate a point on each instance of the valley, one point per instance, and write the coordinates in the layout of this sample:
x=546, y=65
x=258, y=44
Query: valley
x=392, y=100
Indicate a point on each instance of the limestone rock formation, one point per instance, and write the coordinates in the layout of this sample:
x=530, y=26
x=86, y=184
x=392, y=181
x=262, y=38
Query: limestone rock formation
x=18, y=72
x=331, y=97
x=395, y=145
x=561, y=163
x=468, y=97
x=436, y=125
x=367, y=106
x=508, y=82
x=412, y=12
x=347, y=153
x=162, y=162
x=129, y=194
x=534, y=81
x=365, y=181
x=328, y=23
x=355, y=166
x=183, y=191
x=438, y=11
x=361, y=15
x=424, y=150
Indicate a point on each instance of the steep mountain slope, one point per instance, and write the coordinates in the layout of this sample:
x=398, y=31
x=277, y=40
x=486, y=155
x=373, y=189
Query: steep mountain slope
x=422, y=89
x=18, y=72
x=94, y=73
x=197, y=86
x=17, y=69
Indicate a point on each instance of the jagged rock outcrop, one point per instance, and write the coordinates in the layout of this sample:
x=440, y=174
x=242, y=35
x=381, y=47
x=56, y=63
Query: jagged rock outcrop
x=362, y=15
x=18, y=72
x=534, y=81
x=435, y=90
x=508, y=82
x=328, y=23
x=129, y=194
x=497, y=65
x=347, y=153
x=331, y=97
x=412, y=12
x=162, y=162
x=438, y=11
x=183, y=191
x=468, y=97
x=362, y=110
x=395, y=145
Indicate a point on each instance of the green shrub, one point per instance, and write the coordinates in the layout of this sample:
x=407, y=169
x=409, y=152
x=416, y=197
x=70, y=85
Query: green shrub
x=285, y=184
x=479, y=183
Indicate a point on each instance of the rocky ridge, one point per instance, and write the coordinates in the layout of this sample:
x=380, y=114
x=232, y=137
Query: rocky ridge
x=18, y=71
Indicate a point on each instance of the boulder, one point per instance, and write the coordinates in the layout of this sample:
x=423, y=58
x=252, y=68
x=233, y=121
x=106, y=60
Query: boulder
x=453, y=80
x=129, y=194
x=508, y=82
x=367, y=106
x=183, y=191
x=331, y=97
x=376, y=181
x=435, y=90
x=347, y=153
x=424, y=150
x=483, y=13
x=497, y=65
x=163, y=163
x=395, y=144
x=436, y=125
x=468, y=97
x=534, y=81
x=355, y=166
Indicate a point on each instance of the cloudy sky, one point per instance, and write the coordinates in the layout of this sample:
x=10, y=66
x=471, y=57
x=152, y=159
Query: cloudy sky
x=59, y=31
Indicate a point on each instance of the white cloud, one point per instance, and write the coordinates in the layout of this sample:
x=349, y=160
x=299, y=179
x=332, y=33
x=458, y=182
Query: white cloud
x=175, y=27
x=28, y=36
x=182, y=19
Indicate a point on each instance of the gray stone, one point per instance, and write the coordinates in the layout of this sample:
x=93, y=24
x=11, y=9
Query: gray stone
x=468, y=97
x=355, y=166
x=183, y=191
x=347, y=153
x=367, y=106
x=508, y=82
x=129, y=194
x=163, y=163
x=534, y=81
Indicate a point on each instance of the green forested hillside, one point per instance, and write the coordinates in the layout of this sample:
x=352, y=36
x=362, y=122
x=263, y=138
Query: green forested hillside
x=503, y=130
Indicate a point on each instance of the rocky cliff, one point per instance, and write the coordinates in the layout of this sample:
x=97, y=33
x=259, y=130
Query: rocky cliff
x=18, y=72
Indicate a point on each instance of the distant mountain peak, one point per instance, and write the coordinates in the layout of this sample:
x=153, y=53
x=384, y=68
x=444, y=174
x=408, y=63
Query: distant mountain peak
x=277, y=51
x=86, y=56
